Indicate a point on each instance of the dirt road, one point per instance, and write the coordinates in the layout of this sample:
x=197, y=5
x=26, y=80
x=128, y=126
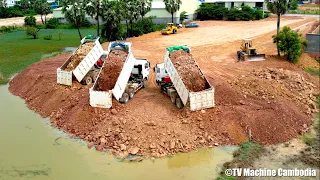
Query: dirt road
x=19, y=21
x=151, y=124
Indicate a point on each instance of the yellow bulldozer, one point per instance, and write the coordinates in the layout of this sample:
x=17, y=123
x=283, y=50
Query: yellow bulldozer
x=248, y=52
x=170, y=29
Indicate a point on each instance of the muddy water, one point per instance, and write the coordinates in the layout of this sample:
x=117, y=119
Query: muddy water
x=31, y=149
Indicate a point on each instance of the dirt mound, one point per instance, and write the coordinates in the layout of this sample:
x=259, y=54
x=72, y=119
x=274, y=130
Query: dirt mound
x=271, y=82
x=111, y=70
x=306, y=61
x=79, y=55
x=188, y=70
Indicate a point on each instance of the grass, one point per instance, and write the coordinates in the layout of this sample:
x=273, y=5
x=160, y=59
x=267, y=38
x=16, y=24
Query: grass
x=18, y=51
x=313, y=71
x=243, y=158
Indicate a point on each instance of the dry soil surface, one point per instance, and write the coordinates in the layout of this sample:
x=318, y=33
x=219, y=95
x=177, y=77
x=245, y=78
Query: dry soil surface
x=151, y=125
x=79, y=55
x=19, y=21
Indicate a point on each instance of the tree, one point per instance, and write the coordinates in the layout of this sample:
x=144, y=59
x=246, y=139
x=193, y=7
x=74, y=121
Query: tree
x=3, y=3
x=290, y=43
x=112, y=14
x=132, y=13
x=24, y=4
x=293, y=4
x=30, y=21
x=32, y=31
x=93, y=9
x=172, y=6
x=74, y=11
x=183, y=16
x=42, y=7
x=278, y=7
x=144, y=7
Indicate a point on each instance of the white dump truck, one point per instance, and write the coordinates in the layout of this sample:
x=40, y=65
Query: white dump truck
x=168, y=78
x=85, y=72
x=133, y=77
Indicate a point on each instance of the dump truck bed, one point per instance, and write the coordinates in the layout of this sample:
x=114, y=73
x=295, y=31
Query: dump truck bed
x=197, y=100
x=103, y=99
x=65, y=77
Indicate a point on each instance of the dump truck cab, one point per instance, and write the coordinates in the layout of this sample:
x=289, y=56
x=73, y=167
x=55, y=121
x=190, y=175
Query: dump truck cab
x=161, y=72
x=141, y=69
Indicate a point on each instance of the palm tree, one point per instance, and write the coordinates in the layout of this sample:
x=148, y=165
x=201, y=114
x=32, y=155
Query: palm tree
x=278, y=7
x=133, y=12
x=112, y=14
x=93, y=9
x=74, y=11
x=42, y=7
x=144, y=7
x=172, y=6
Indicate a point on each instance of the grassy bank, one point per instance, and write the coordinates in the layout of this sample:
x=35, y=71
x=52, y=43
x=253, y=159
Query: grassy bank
x=313, y=71
x=18, y=51
x=243, y=158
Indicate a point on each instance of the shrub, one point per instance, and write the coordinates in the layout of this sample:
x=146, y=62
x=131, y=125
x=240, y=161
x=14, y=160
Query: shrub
x=247, y=13
x=52, y=23
x=290, y=43
x=7, y=29
x=183, y=16
x=233, y=14
x=30, y=21
x=143, y=26
x=293, y=4
x=60, y=34
x=47, y=37
x=32, y=31
x=258, y=14
x=209, y=11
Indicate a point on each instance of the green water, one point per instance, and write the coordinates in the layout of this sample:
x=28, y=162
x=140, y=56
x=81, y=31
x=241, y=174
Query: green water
x=31, y=149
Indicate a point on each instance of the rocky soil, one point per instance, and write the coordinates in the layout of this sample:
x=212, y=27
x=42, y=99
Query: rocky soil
x=79, y=55
x=150, y=125
x=188, y=70
x=111, y=70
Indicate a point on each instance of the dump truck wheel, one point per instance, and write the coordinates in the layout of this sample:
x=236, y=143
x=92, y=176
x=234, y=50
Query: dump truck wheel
x=88, y=80
x=173, y=98
x=95, y=77
x=179, y=103
x=131, y=93
x=144, y=84
x=125, y=98
x=174, y=31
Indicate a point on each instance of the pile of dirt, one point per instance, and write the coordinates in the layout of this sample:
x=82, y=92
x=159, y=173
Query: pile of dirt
x=111, y=70
x=79, y=55
x=270, y=82
x=306, y=61
x=188, y=70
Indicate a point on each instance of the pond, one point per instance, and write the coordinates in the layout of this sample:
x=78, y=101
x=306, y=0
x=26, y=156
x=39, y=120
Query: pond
x=32, y=149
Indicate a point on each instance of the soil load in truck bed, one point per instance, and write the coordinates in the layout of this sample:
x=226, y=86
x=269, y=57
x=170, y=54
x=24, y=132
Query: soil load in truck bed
x=111, y=70
x=79, y=55
x=188, y=70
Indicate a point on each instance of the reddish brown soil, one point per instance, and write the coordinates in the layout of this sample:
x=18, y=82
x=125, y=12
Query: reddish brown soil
x=151, y=124
x=79, y=55
x=188, y=70
x=111, y=70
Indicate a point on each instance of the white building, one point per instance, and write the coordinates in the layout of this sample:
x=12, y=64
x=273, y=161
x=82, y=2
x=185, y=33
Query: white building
x=237, y=3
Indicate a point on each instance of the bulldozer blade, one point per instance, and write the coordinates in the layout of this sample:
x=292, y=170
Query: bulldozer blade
x=257, y=57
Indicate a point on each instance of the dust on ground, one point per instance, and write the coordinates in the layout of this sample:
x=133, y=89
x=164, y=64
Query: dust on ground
x=111, y=70
x=150, y=125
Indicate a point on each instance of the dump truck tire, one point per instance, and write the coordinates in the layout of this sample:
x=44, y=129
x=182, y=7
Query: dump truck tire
x=125, y=98
x=179, y=103
x=174, y=31
x=131, y=93
x=144, y=84
x=173, y=98
x=88, y=80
